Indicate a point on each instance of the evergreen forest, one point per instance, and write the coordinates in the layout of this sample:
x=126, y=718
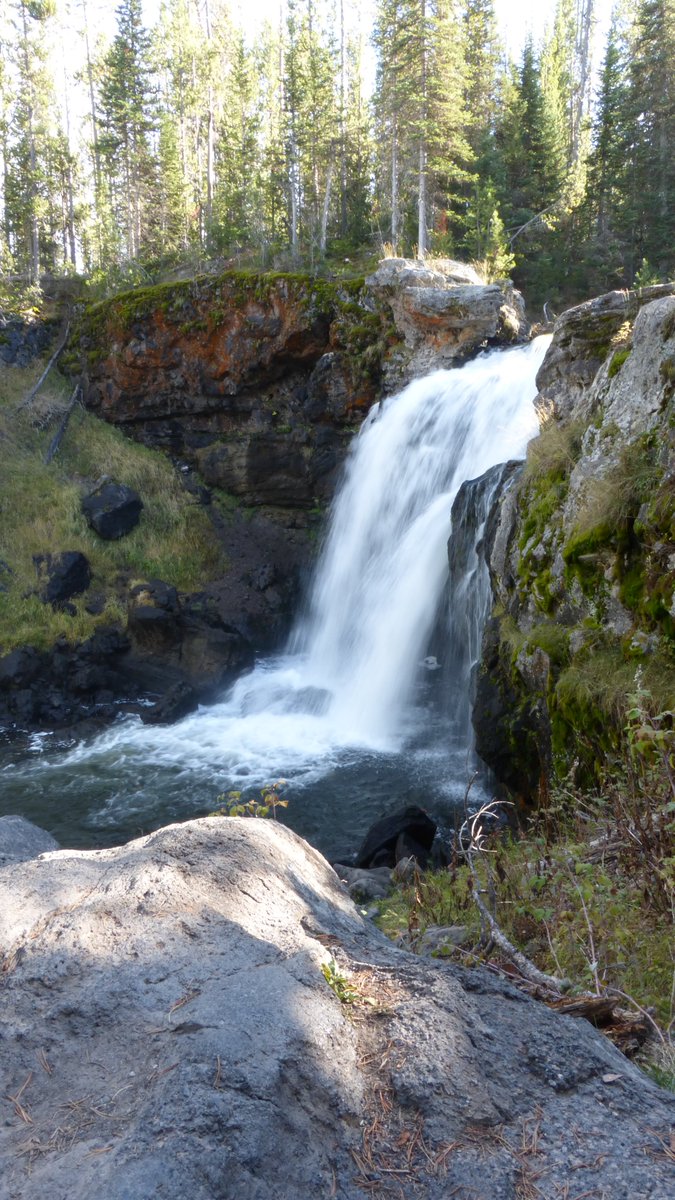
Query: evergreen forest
x=318, y=141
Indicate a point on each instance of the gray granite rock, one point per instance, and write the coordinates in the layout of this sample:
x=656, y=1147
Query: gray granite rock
x=445, y=312
x=171, y=1025
x=21, y=840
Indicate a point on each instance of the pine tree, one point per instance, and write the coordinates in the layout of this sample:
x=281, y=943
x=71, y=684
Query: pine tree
x=238, y=189
x=482, y=52
x=269, y=55
x=397, y=40
x=183, y=58
x=127, y=120
x=356, y=176
x=31, y=129
x=5, y=256
x=651, y=205
x=420, y=108
x=311, y=69
x=608, y=177
x=449, y=153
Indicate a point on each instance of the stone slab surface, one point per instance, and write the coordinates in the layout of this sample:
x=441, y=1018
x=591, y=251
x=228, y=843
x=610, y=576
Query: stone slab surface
x=168, y=1028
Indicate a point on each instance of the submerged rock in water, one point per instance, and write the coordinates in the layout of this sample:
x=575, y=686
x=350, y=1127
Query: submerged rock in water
x=180, y=1010
x=312, y=700
x=408, y=832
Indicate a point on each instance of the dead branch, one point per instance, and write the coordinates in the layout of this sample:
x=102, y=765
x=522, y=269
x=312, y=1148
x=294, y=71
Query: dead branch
x=30, y=396
x=472, y=842
x=58, y=436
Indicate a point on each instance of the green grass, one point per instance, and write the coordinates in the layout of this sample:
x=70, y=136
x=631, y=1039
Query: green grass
x=576, y=913
x=539, y=892
x=40, y=513
x=586, y=889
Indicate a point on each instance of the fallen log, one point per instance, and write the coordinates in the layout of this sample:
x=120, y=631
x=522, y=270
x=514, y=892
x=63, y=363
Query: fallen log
x=30, y=396
x=58, y=436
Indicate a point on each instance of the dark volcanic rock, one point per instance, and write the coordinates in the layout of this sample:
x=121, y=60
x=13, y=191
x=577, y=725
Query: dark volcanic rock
x=264, y=468
x=20, y=668
x=62, y=575
x=408, y=832
x=68, y=684
x=182, y=646
x=510, y=720
x=112, y=510
x=21, y=341
x=180, y=700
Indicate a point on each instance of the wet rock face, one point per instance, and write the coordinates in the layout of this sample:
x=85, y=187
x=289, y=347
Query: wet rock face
x=182, y=647
x=179, y=650
x=67, y=684
x=184, y=994
x=581, y=547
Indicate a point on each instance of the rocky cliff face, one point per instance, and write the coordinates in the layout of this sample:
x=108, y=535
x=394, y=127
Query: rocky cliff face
x=582, y=548
x=204, y=1012
x=255, y=385
x=443, y=313
x=258, y=381
x=255, y=381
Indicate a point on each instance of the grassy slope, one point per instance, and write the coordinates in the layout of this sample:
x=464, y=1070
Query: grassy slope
x=40, y=512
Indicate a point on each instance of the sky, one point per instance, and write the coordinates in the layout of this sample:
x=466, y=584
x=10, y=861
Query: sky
x=517, y=18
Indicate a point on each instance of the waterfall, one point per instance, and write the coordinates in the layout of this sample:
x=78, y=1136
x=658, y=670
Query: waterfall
x=384, y=565
x=349, y=716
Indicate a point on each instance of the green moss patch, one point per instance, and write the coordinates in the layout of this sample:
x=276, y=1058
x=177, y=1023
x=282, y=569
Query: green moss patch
x=618, y=359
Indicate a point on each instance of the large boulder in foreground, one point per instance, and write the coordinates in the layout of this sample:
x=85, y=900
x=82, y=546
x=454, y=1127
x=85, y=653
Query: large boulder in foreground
x=169, y=1028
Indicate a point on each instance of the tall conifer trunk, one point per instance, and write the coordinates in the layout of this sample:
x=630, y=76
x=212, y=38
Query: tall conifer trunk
x=422, y=160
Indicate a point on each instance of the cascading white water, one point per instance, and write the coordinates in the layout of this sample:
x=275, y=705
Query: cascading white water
x=384, y=565
x=345, y=692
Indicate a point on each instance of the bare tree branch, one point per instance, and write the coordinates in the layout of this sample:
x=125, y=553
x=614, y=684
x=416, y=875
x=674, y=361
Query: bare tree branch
x=472, y=842
x=56, y=440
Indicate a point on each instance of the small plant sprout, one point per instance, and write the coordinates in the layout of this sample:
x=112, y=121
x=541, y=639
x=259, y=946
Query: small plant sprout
x=339, y=983
x=232, y=805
